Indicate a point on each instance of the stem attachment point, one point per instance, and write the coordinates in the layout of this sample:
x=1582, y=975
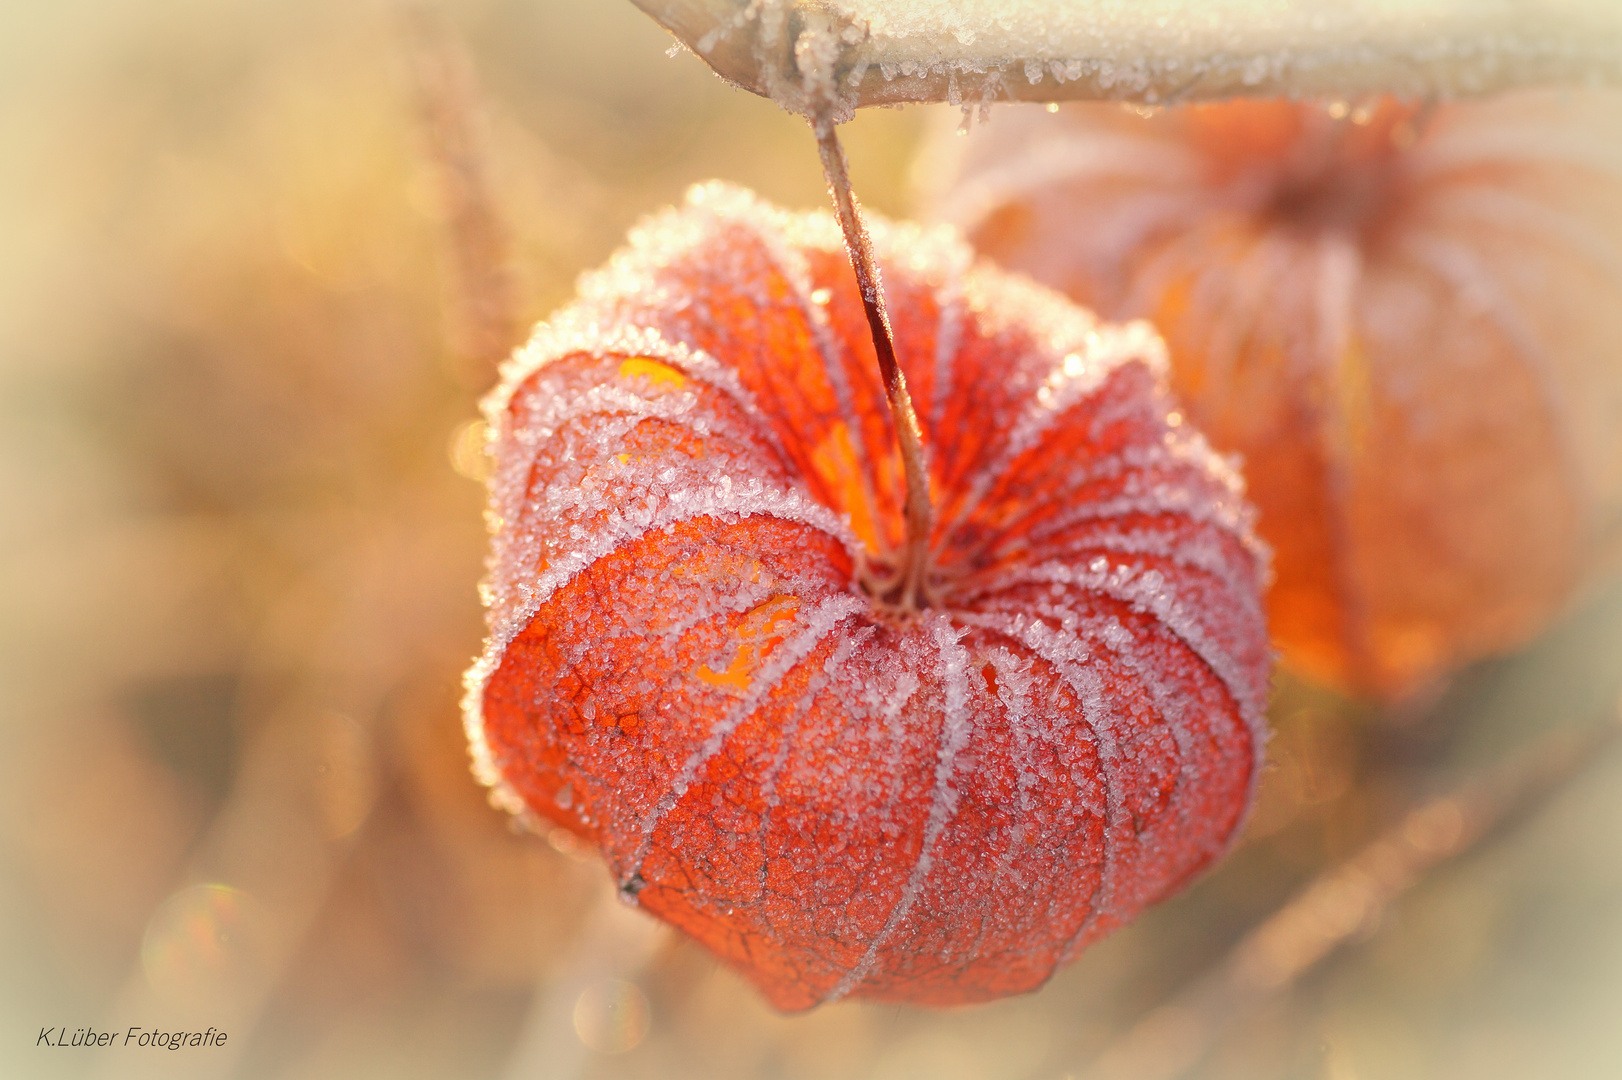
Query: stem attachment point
x=905, y=587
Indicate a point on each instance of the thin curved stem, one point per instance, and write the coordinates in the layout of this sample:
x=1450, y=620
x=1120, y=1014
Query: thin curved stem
x=907, y=590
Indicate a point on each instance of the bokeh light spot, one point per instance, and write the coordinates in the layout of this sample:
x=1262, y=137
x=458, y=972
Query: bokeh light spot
x=204, y=942
x=467, y=450
x=612, y=1016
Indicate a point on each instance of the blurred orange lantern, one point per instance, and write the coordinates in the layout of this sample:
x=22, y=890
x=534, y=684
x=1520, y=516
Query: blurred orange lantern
x=695, y=664
x=1407, y=319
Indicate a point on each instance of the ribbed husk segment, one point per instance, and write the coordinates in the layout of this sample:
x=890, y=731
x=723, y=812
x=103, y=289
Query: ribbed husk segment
x=693, y=463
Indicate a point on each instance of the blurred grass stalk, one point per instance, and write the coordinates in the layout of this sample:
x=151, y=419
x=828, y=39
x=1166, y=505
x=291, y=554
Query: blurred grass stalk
x=1346, y=902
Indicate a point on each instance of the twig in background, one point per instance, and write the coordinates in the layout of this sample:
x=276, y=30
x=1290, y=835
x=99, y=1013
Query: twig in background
x=271, y=850
x=1342, y=903
x=484, y=324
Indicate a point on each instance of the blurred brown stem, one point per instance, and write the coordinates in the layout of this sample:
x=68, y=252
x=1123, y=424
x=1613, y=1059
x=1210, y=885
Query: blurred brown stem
x=1343, y=903
x=484, y=321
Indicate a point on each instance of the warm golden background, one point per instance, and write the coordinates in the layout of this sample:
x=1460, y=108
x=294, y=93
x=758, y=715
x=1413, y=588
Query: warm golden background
x=237, y=594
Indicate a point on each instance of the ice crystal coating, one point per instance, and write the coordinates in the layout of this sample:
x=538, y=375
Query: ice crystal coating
x=811, y=55
x=1408, y=320
x=693, y=461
